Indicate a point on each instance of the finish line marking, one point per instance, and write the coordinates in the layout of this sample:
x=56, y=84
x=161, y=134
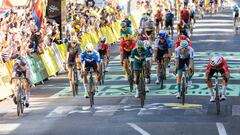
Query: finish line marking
x=221, y=129
x=137, y=128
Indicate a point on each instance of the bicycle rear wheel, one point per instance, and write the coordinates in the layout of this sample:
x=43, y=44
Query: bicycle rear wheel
x=101, y=73
x=74, y=89
x=19, y=101
x=142, y=91
x=22, y=100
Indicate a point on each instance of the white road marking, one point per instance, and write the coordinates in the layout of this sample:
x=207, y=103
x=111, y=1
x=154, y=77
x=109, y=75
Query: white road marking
x=137, y=128
x=124, y=100
x=8, y=128
x=221, y=129
x=61, y=111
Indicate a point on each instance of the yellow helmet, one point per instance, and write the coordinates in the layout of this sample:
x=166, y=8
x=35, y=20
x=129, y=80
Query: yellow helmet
x=73, y=31
x=127, y=37
x=77, y=27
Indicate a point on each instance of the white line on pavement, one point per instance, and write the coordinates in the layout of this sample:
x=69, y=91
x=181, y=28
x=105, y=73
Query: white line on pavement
x=124, y=100
x=137, y=128
x=221, y=129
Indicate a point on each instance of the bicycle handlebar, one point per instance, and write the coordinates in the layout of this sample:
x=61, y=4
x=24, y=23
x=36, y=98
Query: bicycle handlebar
x=20, y=78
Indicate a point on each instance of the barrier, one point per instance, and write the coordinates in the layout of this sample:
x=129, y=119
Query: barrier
x=35, y=75
x=58, y=57
x=5, y=87
x=40, y=66
x=49, y=62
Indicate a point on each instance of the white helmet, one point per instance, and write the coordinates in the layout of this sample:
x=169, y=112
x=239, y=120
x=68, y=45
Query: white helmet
x=74, y=39
x=126, y=16
x=147, y=44
x=215, y=61
x=102, y=38
x=89, y=47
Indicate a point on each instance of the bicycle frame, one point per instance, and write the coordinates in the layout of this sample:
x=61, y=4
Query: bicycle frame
x=91, y=87
x=20, y=97
x=217, y=95
x=184, y=84
x=142, y=86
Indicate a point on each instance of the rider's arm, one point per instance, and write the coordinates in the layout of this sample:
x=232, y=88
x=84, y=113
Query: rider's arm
x=82, y=57
x=191, y=57
x=155, y=48
x=97, y=59
x=169, y=47
x=108, y=51
x=177, y=56
x=225, y=68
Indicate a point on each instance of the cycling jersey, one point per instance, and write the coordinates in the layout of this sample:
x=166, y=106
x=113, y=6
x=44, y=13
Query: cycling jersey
x=138, y=59
x=127, y=45
x=223, y=67
x=127, y=31
x=73, y=51
x=187, y=54
x=102, y=49
x=158, y=16
x=18, y=71
x=143, y=23
x=128, y=22
x=165, y=45
x=94, y=57
x=185, y=15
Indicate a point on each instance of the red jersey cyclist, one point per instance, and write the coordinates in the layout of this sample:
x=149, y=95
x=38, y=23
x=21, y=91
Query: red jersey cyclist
x=104, y=51
x=217, y=64
x=126, y=47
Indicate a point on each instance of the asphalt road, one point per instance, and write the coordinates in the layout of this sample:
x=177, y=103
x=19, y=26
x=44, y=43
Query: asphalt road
x=53, y=110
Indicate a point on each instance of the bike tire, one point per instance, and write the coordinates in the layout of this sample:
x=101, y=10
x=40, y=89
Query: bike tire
x=131, y=81
x=217, y=99
x=142, y=90
x=101, y=72
x=183, y=90
x=74, y=89
x=22, y=101
x=161, y=77
x=19, y=101
x=91, y=92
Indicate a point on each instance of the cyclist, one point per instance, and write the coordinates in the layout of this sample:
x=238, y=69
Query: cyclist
x=149, y=29
x=89, y=59
x=143, y=21
x=192, y=13
x=162, y=51
x=215, y=6
x=184, y=55
x=138, y=61
x=140, y=35
x=126, y=47
x=235, y=15
x=125, y=30
x=104, y=51
x=185, y=15
x=211, y=6
x=158, y=18
x=182, y=29
x=148, y=44
x=21, y=68
x=73, y=56
x=181, y=38
x=127, y=21
x=169, y=20
x=201, y=7
x=217, y=64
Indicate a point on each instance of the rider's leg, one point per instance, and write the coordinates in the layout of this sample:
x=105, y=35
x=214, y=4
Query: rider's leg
x=179, y=77
x=85, y=84
x=126, y=68
x=78, y=67
x=70, y=76
x=136, y=80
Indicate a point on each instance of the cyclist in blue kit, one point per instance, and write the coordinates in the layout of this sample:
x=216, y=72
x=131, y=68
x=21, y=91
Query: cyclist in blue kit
x=89, y=59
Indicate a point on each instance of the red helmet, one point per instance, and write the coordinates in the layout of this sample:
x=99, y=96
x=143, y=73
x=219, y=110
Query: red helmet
x=182, y=37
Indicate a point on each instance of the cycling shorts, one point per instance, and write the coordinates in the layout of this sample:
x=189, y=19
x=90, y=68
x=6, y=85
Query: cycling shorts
x=89, y=65
x=168, y=23
x=126, y=54
x=161, y=53
x=181, y=65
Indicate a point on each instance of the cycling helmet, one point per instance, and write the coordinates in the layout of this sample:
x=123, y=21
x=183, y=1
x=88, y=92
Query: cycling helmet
x=89, y=47
x=123, y=24
x=102, y=38
x=162, y=34
x=74, y=39
x=21, y=61
x=147, y=43
x=182, y=37
x=215, y=61
x=184, y=43
x=126, y=16
x=140, y=44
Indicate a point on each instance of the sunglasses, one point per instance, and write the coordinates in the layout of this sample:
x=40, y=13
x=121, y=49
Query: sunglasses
x=89, y=51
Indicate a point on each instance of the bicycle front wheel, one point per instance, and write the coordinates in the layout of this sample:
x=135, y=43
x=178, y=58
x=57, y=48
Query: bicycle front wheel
x=183, y=90
x=217, y=99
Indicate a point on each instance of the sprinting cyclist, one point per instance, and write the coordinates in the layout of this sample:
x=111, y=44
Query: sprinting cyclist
x=184, y=56
x=162, y=52
x=126, y=46
x=21, y=68
x=104, y=51
x=89, y=59
x=217, y=64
